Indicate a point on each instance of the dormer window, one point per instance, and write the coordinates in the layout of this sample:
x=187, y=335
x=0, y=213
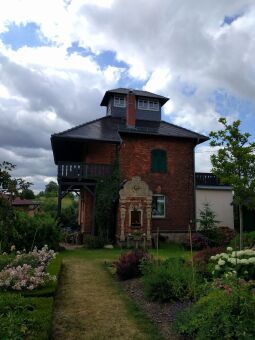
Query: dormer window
x=148, y=104
x=119, y=101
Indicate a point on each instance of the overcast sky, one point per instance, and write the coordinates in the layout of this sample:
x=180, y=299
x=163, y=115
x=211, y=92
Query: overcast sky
x=58, y=57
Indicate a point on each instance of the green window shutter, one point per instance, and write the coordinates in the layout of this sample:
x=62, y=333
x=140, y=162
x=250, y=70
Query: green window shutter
x=158, y=161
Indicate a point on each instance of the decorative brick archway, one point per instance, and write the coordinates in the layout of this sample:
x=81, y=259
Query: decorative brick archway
x=134, y=209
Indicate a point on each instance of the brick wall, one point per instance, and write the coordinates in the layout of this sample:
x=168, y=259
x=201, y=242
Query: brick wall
x=99, y=153
x=177, y=184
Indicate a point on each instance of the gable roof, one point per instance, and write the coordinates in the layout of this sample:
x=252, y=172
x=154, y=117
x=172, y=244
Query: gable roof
x=139, y=93
x=109, y=129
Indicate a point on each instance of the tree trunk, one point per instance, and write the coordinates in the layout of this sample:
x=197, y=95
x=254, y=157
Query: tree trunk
x=241, y=225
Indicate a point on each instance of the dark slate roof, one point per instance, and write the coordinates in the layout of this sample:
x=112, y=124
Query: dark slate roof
x=139, y=93
x=109, y=129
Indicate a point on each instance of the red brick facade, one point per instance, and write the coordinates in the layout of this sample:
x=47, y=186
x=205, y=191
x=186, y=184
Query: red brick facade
x=177, y=184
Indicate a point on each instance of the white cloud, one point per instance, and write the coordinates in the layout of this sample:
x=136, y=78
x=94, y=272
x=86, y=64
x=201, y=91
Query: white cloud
x=179, y=49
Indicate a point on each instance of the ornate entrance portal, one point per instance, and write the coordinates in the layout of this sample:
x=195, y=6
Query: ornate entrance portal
x=134, y=210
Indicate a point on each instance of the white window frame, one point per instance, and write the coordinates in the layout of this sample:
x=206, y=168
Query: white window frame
x=164, y=200
x=118, y=101
x=148, y=104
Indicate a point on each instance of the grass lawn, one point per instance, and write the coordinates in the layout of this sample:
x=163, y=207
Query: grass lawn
x=91, y=305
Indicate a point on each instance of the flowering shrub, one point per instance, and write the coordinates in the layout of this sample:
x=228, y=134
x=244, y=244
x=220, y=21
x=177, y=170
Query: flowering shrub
x=199, y=241
x=128, y=266
x=202, y=258
x=235, y=263
x=27, y=271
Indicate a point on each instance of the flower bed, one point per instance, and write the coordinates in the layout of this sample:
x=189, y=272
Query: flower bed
x=27, y=271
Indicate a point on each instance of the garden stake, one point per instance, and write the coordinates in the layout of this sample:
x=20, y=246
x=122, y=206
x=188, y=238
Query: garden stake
x=192, y=262
x=157, y=244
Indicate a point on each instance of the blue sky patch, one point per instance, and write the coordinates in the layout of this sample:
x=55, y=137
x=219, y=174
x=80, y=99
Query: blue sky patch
x=226, y=105
x=18, y=36
x=228, y=20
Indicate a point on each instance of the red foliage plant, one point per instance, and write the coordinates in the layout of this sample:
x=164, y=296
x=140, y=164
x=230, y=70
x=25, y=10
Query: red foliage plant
x=128, y=265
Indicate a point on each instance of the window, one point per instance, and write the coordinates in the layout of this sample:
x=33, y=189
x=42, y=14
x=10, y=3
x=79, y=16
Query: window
x=158, y=161
x=148, y=104
x=119, y=101
x=158, y=206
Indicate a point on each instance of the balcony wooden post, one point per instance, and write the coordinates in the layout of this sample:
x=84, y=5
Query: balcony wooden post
x=59, y=199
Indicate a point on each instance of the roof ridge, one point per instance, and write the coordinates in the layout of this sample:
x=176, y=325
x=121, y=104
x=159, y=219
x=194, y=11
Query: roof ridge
x=78, y=126
x=182, y=128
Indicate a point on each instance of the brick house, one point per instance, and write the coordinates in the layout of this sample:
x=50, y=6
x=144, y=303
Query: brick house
x=156, y=162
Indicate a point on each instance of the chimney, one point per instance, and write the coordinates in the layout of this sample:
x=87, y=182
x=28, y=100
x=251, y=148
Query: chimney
x=130, y=119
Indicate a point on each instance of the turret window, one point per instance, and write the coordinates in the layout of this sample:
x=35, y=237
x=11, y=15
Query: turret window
x=119, y=101
x=148, y=104
x=158, y=161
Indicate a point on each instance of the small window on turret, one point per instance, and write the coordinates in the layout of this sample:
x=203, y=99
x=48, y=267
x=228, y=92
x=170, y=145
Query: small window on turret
x=148, y=104
x=119, y=101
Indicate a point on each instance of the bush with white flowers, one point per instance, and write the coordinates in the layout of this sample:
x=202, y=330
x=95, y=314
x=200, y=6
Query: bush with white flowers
x=27, y=271
x=240, y=263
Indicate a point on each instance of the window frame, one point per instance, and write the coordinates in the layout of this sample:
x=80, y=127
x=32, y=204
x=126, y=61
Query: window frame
x=117, y=101
x=145, y=104
x=162, y=151
x=164, y=200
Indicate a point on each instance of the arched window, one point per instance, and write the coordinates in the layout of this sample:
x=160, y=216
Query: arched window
x=158, y=161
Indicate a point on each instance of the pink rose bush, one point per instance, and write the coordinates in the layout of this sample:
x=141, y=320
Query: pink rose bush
x=28, y=270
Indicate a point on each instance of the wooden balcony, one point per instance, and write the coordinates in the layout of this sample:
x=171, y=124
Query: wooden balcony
x=207, y=179
x=81, y=171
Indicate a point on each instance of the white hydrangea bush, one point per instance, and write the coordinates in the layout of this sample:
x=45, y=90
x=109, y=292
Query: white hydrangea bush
x=240, y=263
x=28, y=271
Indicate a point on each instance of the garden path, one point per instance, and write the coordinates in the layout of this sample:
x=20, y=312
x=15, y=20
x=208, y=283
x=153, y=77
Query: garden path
x=89, y=305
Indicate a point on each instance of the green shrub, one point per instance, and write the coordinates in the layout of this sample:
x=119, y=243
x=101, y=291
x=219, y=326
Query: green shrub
x=35, y=231
x=170, y=280
x=128, y=265
x=93, y=242
x=24, y=318
x=5, y=260
x=220, y=315
x=248, y=240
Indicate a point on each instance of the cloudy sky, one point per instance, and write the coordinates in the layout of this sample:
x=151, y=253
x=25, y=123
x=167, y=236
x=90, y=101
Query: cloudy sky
x=58, y=57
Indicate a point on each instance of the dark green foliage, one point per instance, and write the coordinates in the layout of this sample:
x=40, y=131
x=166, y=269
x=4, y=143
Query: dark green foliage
x=248, y=240
x=207, y=218
x=24, y=318
x=69, y=215
x=94, y=242
x=28, y=232
x=169, y=280
x=107, y=193
x=5, y=260
x=128, y=265
x=27, y=194
x=220, y=315
x=51, y=189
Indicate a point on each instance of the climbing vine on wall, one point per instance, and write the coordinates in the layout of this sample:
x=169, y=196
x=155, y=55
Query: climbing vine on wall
x=107, y=194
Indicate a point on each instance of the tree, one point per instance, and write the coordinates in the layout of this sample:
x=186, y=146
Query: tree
x=234, y=164
x=27, y=194
x=51, y=189
x=9, y=188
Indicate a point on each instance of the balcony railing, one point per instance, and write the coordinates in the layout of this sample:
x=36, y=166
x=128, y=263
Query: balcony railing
x=67, y=170
x=209, y=179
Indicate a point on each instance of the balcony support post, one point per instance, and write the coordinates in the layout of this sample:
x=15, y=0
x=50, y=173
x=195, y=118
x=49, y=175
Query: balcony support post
x=59, y=199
